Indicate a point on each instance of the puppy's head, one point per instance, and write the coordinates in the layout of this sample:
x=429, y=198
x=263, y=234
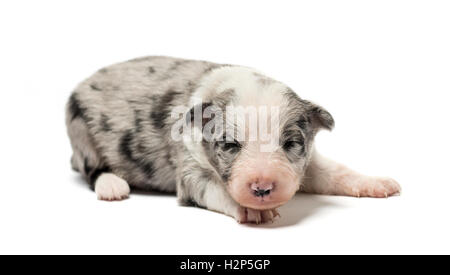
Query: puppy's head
x=257, y=134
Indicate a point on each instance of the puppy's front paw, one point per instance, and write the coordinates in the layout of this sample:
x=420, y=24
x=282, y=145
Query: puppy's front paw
x=376, y=187
x=110, y=187
x=247, y=215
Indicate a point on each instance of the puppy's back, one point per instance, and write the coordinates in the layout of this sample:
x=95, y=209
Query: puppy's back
x=126, y=110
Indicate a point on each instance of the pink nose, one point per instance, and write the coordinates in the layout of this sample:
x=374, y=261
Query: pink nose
x=261, y=189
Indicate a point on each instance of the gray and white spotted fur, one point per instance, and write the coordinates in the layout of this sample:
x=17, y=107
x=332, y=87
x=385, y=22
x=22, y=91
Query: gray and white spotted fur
x=119, y=123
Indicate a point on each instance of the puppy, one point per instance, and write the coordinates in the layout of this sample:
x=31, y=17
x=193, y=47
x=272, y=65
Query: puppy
x=223, y=137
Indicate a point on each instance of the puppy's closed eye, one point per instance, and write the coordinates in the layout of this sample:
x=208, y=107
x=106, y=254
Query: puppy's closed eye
x=293, y=144
x=229, y=146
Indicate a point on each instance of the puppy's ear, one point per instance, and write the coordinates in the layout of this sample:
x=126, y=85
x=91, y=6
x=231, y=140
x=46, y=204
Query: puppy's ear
x=318, y=116
x=201, y=114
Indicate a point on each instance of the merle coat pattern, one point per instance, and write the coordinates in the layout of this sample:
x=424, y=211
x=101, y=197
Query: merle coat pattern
x=119, y=123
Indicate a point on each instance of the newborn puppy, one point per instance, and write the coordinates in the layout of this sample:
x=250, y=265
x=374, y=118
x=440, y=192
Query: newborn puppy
x=225, y=138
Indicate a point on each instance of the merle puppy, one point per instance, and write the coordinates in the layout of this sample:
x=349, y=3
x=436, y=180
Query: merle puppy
x=127, y=129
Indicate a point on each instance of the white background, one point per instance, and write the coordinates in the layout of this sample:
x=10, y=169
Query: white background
x=382, y=68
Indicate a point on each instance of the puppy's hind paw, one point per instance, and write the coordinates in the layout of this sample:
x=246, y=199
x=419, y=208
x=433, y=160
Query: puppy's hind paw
x=110, y=187
x=386, y=187
x=377, y=187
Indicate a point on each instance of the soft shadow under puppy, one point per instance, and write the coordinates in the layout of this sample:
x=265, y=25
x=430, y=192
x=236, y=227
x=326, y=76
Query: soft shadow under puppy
x=300, y=207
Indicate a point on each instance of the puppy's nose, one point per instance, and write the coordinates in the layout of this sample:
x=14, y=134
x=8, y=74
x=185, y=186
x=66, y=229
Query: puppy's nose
x=262, y=189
